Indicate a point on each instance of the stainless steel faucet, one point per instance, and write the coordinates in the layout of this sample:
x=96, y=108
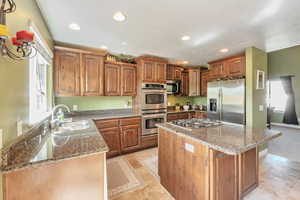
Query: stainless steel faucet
x=59, y=106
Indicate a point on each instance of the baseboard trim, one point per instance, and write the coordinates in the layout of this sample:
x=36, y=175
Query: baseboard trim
x=285, y=125
x=263, y=153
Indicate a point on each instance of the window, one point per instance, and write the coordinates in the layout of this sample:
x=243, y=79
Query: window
x=39, y=66
x=277, y=97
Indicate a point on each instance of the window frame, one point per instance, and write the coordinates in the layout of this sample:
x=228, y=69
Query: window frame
x=276, y=109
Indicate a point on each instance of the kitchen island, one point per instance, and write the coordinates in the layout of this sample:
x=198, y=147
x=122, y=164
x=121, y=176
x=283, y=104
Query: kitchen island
x=210, y=163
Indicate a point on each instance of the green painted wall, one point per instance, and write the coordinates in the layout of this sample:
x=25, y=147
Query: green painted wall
x=256, y=59
x=95, y=103
x=14, y=76
x=172, y=100
x=286, y=62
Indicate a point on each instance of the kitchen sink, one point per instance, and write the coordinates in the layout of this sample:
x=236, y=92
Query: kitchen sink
x=72, y=126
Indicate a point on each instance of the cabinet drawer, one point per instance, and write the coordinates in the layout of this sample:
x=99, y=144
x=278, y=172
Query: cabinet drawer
x=130, y=121
x=149, y=141
x=110, y=123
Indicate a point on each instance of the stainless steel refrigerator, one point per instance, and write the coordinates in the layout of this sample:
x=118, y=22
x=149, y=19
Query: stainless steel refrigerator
x=226, y=100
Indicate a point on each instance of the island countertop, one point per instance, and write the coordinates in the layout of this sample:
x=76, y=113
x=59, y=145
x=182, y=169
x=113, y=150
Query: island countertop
x=228, y=138
x=37, y=148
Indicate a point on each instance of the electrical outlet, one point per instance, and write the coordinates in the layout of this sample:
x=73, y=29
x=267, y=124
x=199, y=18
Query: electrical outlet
x=19, y=127
x=189, y=147
x=75, y=107
x=1, y=138
x=261, y=108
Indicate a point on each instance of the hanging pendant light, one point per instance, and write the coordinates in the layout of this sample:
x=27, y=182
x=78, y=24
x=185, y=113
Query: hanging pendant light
x=23, y=42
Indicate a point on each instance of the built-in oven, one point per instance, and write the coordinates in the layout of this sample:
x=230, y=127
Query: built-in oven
x=154, y=96
x=150, y=119
x=173, y=87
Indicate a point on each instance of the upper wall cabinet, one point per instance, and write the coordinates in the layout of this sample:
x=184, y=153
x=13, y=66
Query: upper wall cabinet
x=204, y=80
x=152, y=69
x=120, y=79
x=174, y=72
x=232, y=67
x=194, y=82
x=92, y=75
x=112, y=79
x=67, y=73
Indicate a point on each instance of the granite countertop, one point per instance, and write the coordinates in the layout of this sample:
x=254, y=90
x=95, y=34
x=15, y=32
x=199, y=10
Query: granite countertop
x=183, y=111
x=228, y=138
x=41, y=147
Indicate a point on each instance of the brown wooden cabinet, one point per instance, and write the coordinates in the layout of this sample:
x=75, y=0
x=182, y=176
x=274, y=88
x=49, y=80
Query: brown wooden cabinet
x=194, y=82
x=67, y=73
x=160, y=72
x=149, y=71
x=223, y=176
x=153, y=69
x=235, y=67
x=231, y=67
x=174, y=72
x=204, y=81
x=130, y=137
x=92, y=75
x=78, y=72
x=112, y=80
x=128, y=82
x=248, y=164
x=177, y=73
x=112, y=138
x=184, y=84
x=121, y=135
x=120, y=79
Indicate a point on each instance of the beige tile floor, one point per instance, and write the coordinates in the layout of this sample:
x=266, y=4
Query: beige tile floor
x=279, y=178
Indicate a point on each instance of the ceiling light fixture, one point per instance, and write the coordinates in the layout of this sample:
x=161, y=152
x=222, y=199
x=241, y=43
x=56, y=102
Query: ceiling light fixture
x=24, y=40
x=225, y=50
x=103, y=47
x=185, y=62
x=119, y=16
x=124, y=43
x=185, y=38
x=74, y=27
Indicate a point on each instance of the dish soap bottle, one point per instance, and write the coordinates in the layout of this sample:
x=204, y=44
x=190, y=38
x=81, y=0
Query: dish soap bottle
x=60, y=115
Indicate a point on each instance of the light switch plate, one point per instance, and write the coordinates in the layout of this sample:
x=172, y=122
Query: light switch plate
x=75, y=107
x=189, y=147
x=261, y=108
x=19, y=127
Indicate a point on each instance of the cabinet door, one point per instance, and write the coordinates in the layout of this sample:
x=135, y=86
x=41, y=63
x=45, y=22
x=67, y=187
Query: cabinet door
x=112, y=80
x=223, y=177
x=170, y=72
x=172, y=117
x=177, y=73
x=236, y=67
x=160, y=72
x=185, y=84
x=217, y=70
x=112, y=139
x=204, y=80
x=130, y=137
x=92, y=75
x=128, y=81
x=248, y=171
x=67, y=73
x=194, y=83
x=149, y=71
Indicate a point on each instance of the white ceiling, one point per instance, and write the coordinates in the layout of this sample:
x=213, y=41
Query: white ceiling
x=156, y=26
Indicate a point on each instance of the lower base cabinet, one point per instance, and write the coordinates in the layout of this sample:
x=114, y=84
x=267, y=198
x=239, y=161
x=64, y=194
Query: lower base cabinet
x=204, y=173
x=185, y=115
x=149, y=141
x=121, y=135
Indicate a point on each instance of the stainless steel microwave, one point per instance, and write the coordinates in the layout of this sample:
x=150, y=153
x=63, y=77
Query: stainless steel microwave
x=173, y=87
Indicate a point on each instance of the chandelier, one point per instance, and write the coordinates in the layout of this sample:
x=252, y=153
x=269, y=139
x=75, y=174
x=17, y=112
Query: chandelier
x=22, y=45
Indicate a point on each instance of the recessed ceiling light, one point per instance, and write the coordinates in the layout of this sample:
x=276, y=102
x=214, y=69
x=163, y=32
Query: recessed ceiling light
x=124, y=43
x=103, y=47
x=185, y=62
x=74, y=26
x=185, y=38
x=119, y=17
x=224, y=50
